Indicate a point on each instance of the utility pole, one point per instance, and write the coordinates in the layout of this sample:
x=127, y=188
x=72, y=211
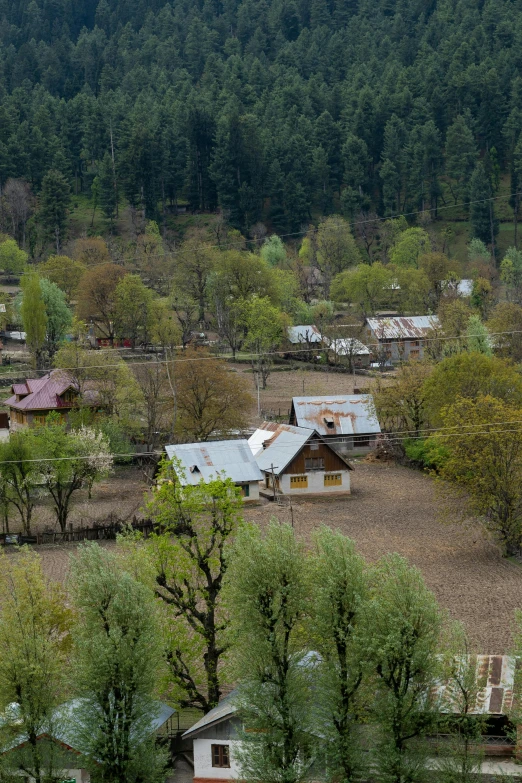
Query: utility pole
x=258, y=397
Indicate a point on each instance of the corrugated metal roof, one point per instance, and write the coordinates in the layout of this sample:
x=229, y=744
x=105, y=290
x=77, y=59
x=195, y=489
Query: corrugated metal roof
x=351, y=414
x=261, y=435
x=224, y=710
x=495, y=678
x=42, y=393
x=345, y=346
x=285, y=443
x=304, y=334
x=412, y=328
x=229, y=458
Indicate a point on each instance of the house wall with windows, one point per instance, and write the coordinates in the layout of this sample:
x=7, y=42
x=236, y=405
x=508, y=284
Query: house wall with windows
x=315, y=482
x=214, y=760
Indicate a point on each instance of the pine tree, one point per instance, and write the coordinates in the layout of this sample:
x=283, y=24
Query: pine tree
x=484, y=226
x=108, y=188
x=54, y=202
x=461, y=155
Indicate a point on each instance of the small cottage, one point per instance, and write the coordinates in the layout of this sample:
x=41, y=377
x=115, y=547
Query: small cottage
x=348, y=423
x=215, y=738
x=396, y=339
x=351, y=349
x=35, y=398
x=218, y=459
x=297, y=461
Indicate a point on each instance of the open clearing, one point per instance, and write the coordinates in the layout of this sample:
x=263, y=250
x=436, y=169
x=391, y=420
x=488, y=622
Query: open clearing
x=394, y=509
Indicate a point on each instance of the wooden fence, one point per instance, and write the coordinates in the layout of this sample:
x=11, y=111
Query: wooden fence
x=103, y=531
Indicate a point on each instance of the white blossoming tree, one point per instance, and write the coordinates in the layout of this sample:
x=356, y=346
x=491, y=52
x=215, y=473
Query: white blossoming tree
x=69, y=461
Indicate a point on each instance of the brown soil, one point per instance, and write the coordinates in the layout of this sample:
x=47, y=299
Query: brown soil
x=391, y=509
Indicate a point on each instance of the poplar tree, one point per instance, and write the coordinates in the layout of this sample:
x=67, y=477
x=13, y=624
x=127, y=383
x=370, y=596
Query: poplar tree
x=34, y=316
x=266, y=596
x=117, y=658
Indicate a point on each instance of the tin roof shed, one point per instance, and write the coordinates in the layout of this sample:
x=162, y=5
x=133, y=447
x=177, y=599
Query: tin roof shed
x=337, y=414
x=495, y=681
x=414, y=327
x=208, y=461
x=303, y=334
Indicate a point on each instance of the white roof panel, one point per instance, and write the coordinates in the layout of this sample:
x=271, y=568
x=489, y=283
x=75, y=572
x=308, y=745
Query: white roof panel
x=208, y=461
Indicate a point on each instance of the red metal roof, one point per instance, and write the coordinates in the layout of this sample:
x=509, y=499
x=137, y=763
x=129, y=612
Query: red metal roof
x=42, y=393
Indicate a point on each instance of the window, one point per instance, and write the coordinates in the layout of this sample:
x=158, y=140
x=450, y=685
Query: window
x=362, y=441
x=333, y=479
x=68, y=396
x=245, y=490
x=39, y=419
x=330, y=424
x=414, y=354
x=298, y=482
x=314, y=463
x=414, y=344
x=220, y=756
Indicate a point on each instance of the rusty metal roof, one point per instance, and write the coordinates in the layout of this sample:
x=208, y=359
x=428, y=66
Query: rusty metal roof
x=413, y=328
x=495, y=680
x=352, y=414
x=264, y=432
x=304, y=334
x=285, y=444
x=208, y=461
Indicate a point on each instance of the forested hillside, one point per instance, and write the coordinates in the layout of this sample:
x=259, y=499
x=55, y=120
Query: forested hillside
x=275, y=110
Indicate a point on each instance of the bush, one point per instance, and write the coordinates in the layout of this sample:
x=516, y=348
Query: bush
x=426, y=453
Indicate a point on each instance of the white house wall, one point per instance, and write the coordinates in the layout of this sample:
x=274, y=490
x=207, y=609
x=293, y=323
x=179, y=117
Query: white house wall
x=316, y=484
x=203, y=769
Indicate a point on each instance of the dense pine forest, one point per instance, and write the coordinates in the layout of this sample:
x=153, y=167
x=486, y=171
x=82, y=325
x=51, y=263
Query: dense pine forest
x=274, y=110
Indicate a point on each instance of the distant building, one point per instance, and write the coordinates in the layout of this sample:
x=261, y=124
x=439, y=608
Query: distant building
x=304, y=335
x=218, y=459
x=215, y=739
x=348, y=346
x=396, y=339
x=298, y=461
x=33, y=400
x=346, y=421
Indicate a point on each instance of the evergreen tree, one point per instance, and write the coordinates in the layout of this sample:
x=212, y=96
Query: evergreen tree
x=484, y=226
x=54, y=203
x=461, y=155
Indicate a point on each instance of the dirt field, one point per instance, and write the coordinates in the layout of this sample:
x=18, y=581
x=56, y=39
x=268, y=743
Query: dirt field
x=283, y=385
x=394, y=509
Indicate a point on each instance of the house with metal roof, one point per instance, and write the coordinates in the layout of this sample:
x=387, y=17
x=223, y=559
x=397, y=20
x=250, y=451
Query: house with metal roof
x=35, y=398
x=298, y=461
x=196, y=462
x=59, y=733
x=350, y=347
x=347, y=422
x=400, y=338
x=215, y=740
x=304, y=334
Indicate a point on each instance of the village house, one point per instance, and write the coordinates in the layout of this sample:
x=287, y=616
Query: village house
x=69, y=755
x=348, y=423
x=33, y=400
x=232, y=459
x=216, y=737
x=396, y=339
x=349, y=348
x=297, y=461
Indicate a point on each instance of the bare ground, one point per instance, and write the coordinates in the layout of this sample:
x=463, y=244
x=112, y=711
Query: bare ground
x=391, y=509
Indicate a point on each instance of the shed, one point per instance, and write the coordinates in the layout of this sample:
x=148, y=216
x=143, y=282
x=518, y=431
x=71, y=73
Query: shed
x=350, y=346
x=215, y=738
x=400, y=338
x=346, y=422
x=304, y=335
x=297, y=461
x=218, y=459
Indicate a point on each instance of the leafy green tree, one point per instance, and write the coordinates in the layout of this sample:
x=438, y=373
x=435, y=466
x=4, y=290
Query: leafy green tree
x=34, y=316
x=54, y=203
x=117, y=659
x=482, y=296
x=266, y=328
x=410, y=245
x=402, y=404
x=369, y=288
x=266, y=597
x=133, y=309
x=403, y=625
x=65, y=272
x=437, y=267
x=479, y=340
x=68, y=461
x=97, y=297
x=20, y=476
x=189, y=563
x=59, y=316
x=484, y=463
x=511, y=273
x=34, y=642
x=195, y=264
x=336, y=249
x=340, y=590
x=471, y=375
x=12, y=259
x=273, y=251
x=505, y=328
